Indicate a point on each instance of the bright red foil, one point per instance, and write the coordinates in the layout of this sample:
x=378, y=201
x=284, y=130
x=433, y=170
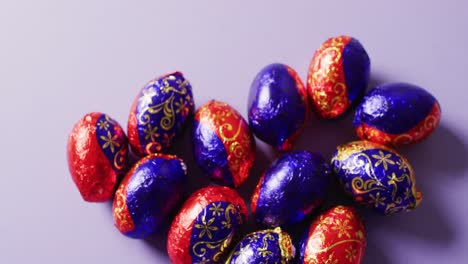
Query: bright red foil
x=178, y=240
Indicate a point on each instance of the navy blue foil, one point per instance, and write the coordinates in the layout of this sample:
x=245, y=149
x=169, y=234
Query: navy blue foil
x=276, y=109
x=356, y=68
x=152, y=192
x=210, y=153
x=292, y=187
x=377, y=178
x=394, y=108
x=258, y=247
x=215, y=226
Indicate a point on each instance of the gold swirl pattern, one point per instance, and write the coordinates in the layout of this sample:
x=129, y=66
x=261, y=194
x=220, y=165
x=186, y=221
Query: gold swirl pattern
x=326, y=83
x=233, y=131
x=216, y=231
x=377, y=176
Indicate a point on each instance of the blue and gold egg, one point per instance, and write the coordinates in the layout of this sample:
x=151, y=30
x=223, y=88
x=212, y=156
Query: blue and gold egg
x=376, y=176
x=397, y=114
x=265, y=246
x=278, y=106
x=148, y=193
x=294, y=185
x=159, y=113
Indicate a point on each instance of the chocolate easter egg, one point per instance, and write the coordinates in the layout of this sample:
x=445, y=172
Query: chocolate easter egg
x=206, y=225
x=148, y=193
x=265, y=246
x=159, y=113
x=336, y=236
x=338, y=76
x=376, y=176
x=293, y=186
x=278, y=107
x=223, y=145
x=97, y=153
x=397, y=114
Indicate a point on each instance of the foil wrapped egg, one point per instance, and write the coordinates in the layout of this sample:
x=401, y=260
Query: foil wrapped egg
x=206, y=225
x=148, y=193
x=159, y=113
x=97, y=154
x=338, y=76
x=223, y=145
x=278, y=106
x=265, y=246
x=336, y=236
x=397, y=114
x=376, y=176
x=292, y=187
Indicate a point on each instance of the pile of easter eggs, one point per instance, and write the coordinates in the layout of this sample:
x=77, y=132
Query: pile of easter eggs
x=208, y=226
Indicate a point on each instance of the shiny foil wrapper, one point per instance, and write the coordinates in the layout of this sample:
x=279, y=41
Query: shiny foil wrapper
x=336, y=236
x=206, y=225
x=159, y=113
x=338, y=76
x=148, y=193
x=376, y=176
x=97, y=153
x=291, y=188
x=223, y=145
x=265, y=246
x=397, y=114
x=278, y=106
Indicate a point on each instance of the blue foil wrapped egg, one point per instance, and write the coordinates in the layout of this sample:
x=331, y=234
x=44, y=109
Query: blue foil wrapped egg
x=223, y=145
x=338, y=76
x=397, y=114
x=265, y=246
x=278, y=106
x=148, y=193
x=158, y=114
x=292, y=187
x=376, y=176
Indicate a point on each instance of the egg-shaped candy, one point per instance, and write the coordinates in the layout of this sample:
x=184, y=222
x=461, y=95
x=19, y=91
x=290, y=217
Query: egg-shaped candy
x=265, y=246
x=148, y=193
x=336, y=236
x=278, y=106
x=397, y=114
x=206, y=225
x=159, y=113
x=294, y=185
x=376, y=176
x=338, y=76
x=97, y=153
x=223, y=145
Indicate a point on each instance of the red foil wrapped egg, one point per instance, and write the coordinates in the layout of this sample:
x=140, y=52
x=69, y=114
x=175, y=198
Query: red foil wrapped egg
x=338, y=76
x=148, y=193
x=97, y=153
x=396, y=114
x=336, y=236
x=159, y=113
x=223, y=145
x=206, y=225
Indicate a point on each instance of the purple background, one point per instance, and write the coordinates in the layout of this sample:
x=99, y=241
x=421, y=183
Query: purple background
x=60, y=60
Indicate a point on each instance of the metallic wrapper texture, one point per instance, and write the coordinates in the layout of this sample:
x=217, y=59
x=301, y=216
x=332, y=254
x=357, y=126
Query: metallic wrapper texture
x=265, y=246
x=376, y=176
x=294, y=185
x=278, y=106
x=97, y=153
x=206, y=226
x=397, y=114
x=148, y=193
x=159, y=113
x=338, y=76
x=336, y=236
x=223, y=145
